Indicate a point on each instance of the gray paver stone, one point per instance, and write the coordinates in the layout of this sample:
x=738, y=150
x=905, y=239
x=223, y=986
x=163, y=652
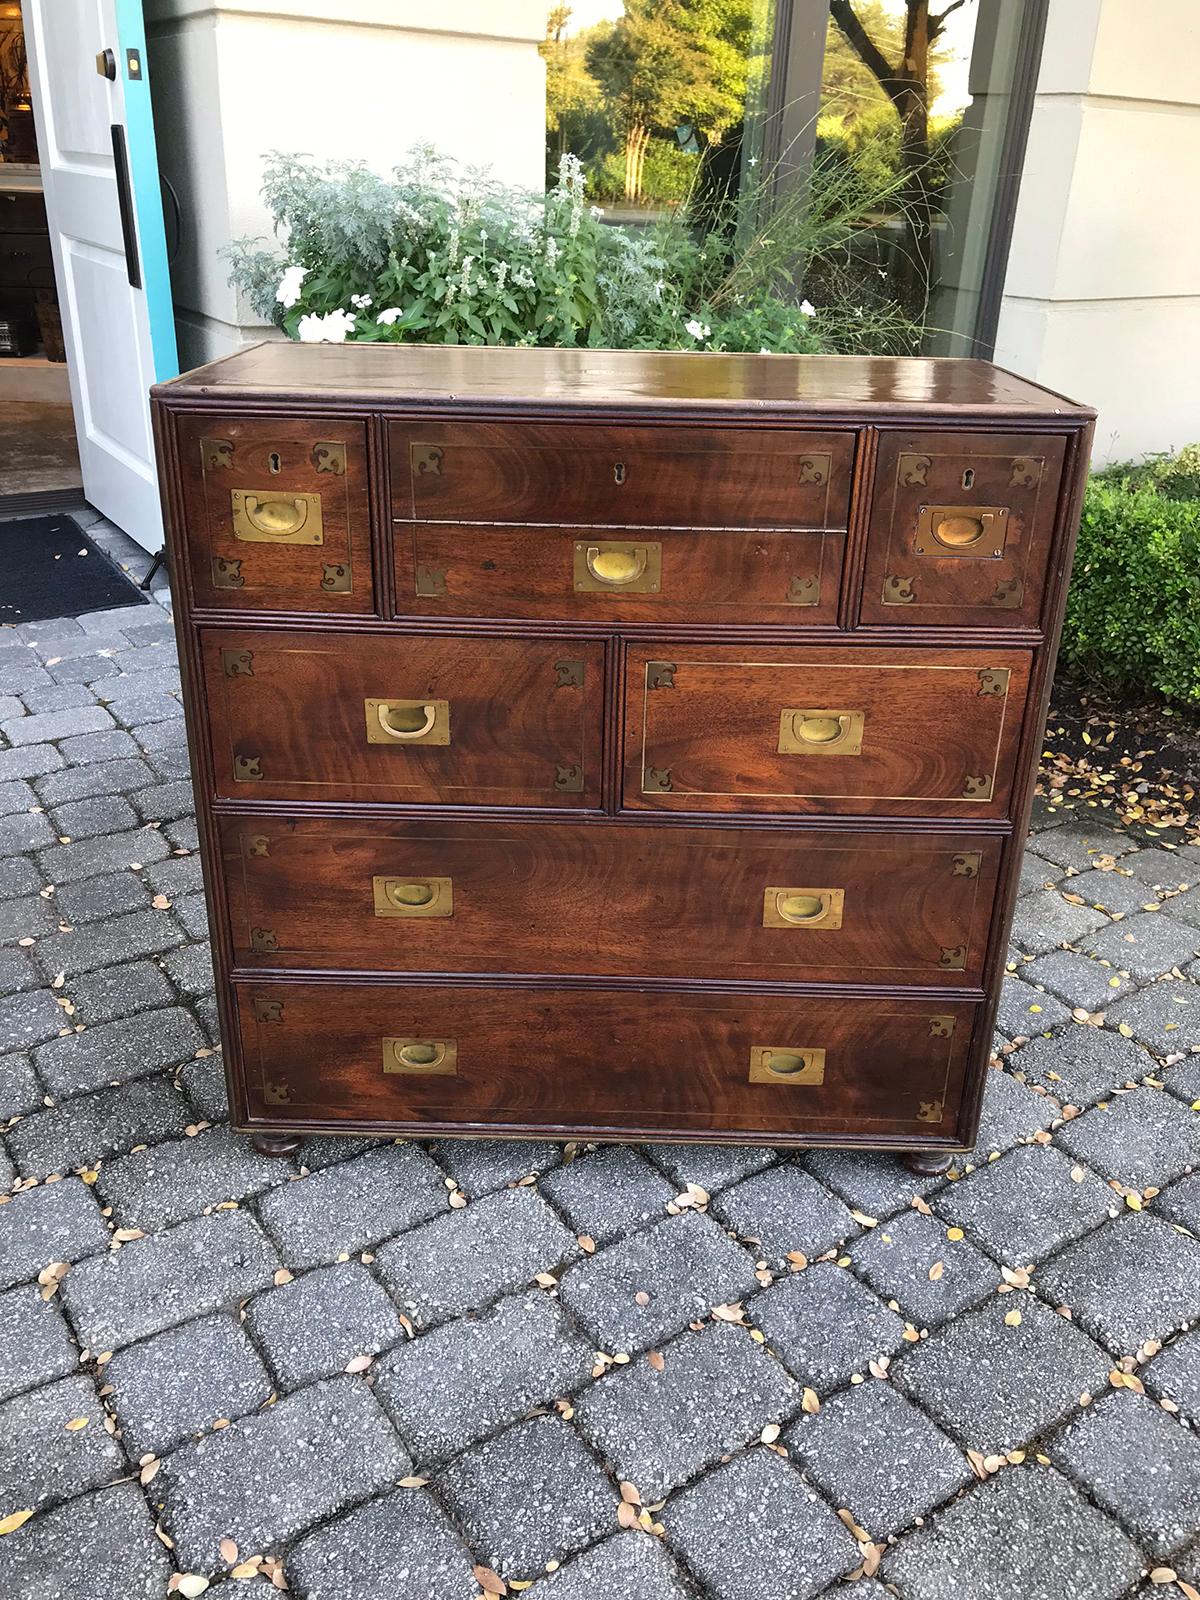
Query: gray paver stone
x=26, y=1019
x=180, y=1382
x=268, y=1477
x=348, y=1207
x=1081, y=1065
x=17, y=972
x=466, y=1259
x=1025, y=1011
x=65, y=863
x=684, y=1264
x=633, y=1565
x=1012, y=1113
x=99, y=1547
x=27, y=917
x=93, y=1126
x=1027, y=1204
x=24, y=831
x=17, y=877
x=165, y=802
x=608, y=1192
x=711, y=1166
x=1078, y=979
x=191, y=968
x=193, y=914
x=104, y=777
x=140, y=933
x=1162, y=869
x=177, y=876
x=58, y=697
x=35, y=1344
x=1144, y=1137
x=1146, y=944
x=41, y=1458
x=52, y=726
x=16, y=795
x=1113, y=891
x=172, y=1181
x=92, y=899
x=467, y=1378
x=119, y=991
x=310, y=1328
x=54, y=1222
x=783, y=1210
x=400, y=1547
x=876, y=1184
x=717, y=1390
x=29, y=760
x=1181, y=1203
x=1165, y=1016
x=1175, y=1373
x=106, y=746
x=1037, y=874
x=897, y=1257
x=102, y=813
x=1135, y=1279
x=165, y=1278
x=754, y=1528
x=875, y=1453
x=1078, y=846
x=1139, y=1464
x=204, y=1084
x=117, y=1052
x=824, y=1324
x=1026, y=1532
x=1183, y=1080
x=530, y=1495
x=20, y=1090
x=995, y=1386
x=1044, y=921
x=481, y=1165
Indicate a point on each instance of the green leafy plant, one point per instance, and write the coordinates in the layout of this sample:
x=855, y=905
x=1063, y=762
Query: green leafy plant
x=1133, y=610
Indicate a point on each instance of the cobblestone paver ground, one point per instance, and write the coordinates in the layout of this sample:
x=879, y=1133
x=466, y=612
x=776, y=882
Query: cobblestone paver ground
x=806, y=1375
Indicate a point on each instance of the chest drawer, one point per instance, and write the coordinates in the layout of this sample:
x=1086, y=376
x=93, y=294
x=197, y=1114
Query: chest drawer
x=960, y=528
x=352, y=716
x=277, y=513
x=583, y=899
x=418, y=1058
x=805, y=729
x=588, y=474
x=716, y=576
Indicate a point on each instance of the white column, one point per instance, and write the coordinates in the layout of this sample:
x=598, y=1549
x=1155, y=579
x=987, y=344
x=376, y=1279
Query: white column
x=1102, y=296
x=368, y=79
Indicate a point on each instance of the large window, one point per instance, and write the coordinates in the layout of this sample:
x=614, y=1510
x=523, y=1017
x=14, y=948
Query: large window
x=905, y=115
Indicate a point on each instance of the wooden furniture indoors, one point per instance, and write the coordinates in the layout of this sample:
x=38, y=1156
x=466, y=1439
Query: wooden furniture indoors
x=615, y=745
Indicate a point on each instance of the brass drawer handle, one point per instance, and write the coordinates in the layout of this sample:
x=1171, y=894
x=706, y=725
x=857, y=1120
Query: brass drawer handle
x=632, y=568
x=413, y=897
x=803, y=908
x=820, y=733
x=276, y=518
x=407, y=721
x=438, y=1057
x=787, y=1064
x=979, y=531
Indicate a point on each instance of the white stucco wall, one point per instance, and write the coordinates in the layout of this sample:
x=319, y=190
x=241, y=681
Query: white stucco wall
x=1102, y=296
x=233, y=79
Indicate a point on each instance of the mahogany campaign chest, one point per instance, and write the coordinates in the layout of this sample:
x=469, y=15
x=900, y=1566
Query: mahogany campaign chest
x=610, y=744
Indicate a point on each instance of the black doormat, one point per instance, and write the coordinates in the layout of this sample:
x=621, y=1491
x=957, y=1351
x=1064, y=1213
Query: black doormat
x=50, y=568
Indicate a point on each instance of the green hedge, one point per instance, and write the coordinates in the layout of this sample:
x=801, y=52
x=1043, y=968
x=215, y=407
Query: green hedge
x=1133, y=612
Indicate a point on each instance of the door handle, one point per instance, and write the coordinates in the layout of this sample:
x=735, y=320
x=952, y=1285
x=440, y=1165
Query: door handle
x=133, y=264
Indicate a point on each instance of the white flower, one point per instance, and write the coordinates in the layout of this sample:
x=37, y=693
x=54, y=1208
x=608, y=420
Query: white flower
x=807, y=309
x=362, y=301
x=329, y=329
x=392, y=314
x=596, y=212
x=288, y=291
x=698, y=330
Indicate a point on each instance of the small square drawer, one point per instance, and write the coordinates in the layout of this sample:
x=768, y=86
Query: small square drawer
x=580, y=898
x=422, y=1058
x=798, y=728
x=591, y=475
x=405, y=717
x=783, y=576
x=960, y=528
x=276, y=513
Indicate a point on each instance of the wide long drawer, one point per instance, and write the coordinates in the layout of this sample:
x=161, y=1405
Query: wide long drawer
x=574, y=898
x=702, y=477
x=406, y=717
x=600, y=1062
x=801, y=728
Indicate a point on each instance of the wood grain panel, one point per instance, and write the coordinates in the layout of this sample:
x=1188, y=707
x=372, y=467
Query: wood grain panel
x=621, y=477
x=288, y=719
x=938, y=729
x=997, y=580
x=599, y=1062
x=724, y=576
x=631, y=898
x=277, y=459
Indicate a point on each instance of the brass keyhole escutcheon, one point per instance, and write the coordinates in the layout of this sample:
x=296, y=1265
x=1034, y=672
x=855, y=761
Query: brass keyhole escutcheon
x=959, y=532
x=618, y=472
x=273, y=461
x=968, y=478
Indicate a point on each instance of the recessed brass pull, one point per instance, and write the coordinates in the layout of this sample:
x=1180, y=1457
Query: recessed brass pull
x=978, y=531
x=276, y=518
x=431, y=1056
x=407, y=721
x=803, y=731
x=787, y=1064
x=631, y=568
x=413, y=897
x=803, y=908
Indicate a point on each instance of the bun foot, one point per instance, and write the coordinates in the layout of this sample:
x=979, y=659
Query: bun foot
x=277, y=1144
x=928, y=1163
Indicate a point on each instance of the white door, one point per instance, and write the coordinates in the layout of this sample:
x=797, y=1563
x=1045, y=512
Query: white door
x=83, y=146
